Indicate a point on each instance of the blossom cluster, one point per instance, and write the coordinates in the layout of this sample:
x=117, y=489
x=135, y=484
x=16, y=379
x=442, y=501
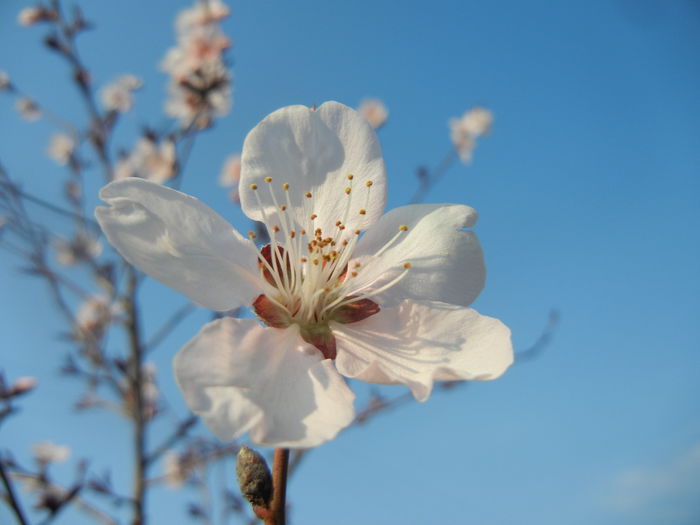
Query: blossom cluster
x=465, y=130
x=200, y=83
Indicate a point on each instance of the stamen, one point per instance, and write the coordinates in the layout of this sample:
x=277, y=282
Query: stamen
x=253, y=187
x=347, y=191
x=308, y=195
x=285, y=186
x=268, y=179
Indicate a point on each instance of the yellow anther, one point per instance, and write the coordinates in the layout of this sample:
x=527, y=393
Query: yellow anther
x=283, y=207
x=315, y=261
x=307, y=194
x=275, y=228
x=313, y=216
x=268, y=179
x=403, y=228
x=357, y=265
x=353, y=274
x=357, y=232
x=345, y=242
x=347, y=191
x=368, y=183
x=253, y=186
x=338, y=223
x=285, y=186
x=350, y=176
x=251, y=235
x=363, y=212
x=303, y=232
x=292, y=234
x=407, y=265
x=304, y=259
x=341, y=227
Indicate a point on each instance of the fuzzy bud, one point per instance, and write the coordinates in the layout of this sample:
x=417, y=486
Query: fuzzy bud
x=254, y=478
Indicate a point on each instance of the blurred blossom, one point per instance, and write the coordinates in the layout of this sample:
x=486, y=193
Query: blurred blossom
x=118, y=96
x=465, y=130
x=30, y=16
x=48, y=452
x=176, y=469
x=61, y=147
x=374, y=111
x=24, y=384
x=149, y=160
x=5, y=83
x=82, y=247
x=28, y=109
x=201, y=14
x=200, y=83
x=94, y=315
x=230, y=175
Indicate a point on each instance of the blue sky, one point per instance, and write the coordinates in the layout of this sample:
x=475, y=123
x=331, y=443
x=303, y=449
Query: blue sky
x=587, y=190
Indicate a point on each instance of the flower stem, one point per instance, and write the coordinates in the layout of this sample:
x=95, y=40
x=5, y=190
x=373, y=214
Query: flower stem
x=278, y=504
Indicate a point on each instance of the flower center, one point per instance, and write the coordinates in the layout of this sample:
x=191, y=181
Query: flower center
x=306, y=275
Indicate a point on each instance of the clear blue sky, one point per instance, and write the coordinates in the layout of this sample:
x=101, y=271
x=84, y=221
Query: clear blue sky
x=588, y=192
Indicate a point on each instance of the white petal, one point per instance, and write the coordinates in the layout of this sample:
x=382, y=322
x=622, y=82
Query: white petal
x=415, y=343
x=447, y=263
x=314, y=151
x=241, y=377
x=181, y=242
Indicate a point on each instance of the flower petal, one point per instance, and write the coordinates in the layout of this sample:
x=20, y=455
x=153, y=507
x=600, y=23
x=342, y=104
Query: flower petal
x=447, y=263
x=242, y=377
x=418, y=342
x=313, y=151
x=181, y=242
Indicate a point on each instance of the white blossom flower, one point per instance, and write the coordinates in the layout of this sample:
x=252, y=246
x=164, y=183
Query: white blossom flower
x=119, y=95
x=61, y=147
x=200, y=83
x=30, y=16
x=149, y=160
x=388, y=306
x=374, y=111
x=81, y=248
x=28, y=109
x=48, y=452
x=465, y=130
x=94, y=315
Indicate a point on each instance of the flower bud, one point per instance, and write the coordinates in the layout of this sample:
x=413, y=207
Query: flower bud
x=254, y=478
x=23, y=385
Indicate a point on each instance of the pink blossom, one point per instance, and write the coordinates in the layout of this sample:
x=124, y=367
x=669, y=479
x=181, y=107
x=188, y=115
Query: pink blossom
x=374, y=111
x=465, y=130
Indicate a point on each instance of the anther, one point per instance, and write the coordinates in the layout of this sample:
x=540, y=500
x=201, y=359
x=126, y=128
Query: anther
x=357, y=265
x=253, y=186
x=307, y=194
x=251, y=235
x=303, y=232
x=338, y=223
x=313, y=216
x=368, y=183
x=292, y=234
x=285, y=186
x=275, y=228
x=357, y=232
x=268, y=179
x=363, y=212
x=341, y=227
x=353, y=274
x=350, y=176
x=403, y=228
x=303, y=259
x=407, y=265
x=283, y=207
x=347, y=191
x=345, y=242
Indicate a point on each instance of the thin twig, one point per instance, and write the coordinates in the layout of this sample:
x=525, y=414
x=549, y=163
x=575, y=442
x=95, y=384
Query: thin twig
x=13, y=501
x=429, y=178
x=169, y=326
x=136, y=383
